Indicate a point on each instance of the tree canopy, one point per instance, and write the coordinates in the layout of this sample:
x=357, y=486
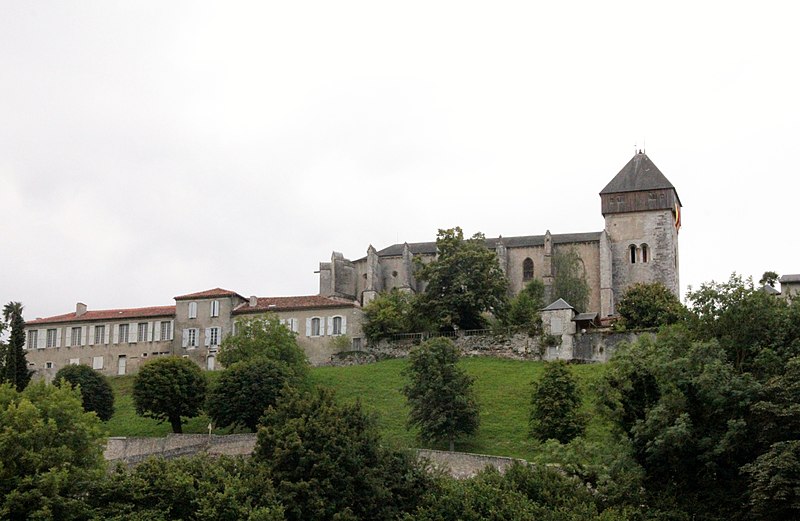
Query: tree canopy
x=244, y=390
x=649, y=305
x=263, y=337
x=462, y=283
x=555, y=405
x=524, y=310
x=439, y=393
x=569, y=281
x=51, y=452
x=96, y=393
x=170, y=389
x=390, y=313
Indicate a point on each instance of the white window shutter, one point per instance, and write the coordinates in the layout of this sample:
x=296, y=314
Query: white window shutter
x=207, y=340
x=295, y=325
x=150, y=331
x=330, y=326
x=133, y=332
x=84, y=335
x=157, y=331
x=107, y=335
x=91, y=335
x=115, y=327
x=41, y=338
x=58, y=337
x=67, y=336
x=344, y=325
x=171, y=330
x=308, y=327
x=185, y=338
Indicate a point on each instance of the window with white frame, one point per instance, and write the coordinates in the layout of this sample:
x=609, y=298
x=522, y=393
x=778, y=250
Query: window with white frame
x=192, y=309
x=74, y=361
x=33, y=336
x=142, y=332
x=124, y=329
x=166, y=330
x=99, y=334
x=315, y=327
x=75, y=336
x=337, y=325
x=51, y=338
x=97, y=361
x=215, y=308
x=49, y=365
x=190, y=337
x=213, y=336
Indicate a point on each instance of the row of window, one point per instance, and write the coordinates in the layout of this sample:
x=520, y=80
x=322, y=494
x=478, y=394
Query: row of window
x=190, y=337
x=100, y=334
x=213, y=308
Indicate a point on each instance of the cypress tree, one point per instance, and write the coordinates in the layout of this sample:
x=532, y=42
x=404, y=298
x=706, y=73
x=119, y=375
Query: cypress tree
x=15, y=364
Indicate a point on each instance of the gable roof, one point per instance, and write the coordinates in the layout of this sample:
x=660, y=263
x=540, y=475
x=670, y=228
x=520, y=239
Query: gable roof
x=291, y=304
x=209, y=293
x=558, y=304
x=639, y=175
x=107, y=314
x=395, y=250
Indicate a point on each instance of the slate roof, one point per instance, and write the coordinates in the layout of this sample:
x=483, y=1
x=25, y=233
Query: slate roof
x=580, y=317
x=209, y=293
x=639, y=175
x=790, y=278
x=291, y=304
x=769, y=290
x=107, y=314
x=558, y=304
x=395, y=250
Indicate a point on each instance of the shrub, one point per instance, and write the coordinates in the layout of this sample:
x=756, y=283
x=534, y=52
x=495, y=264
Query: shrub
x=96, y=392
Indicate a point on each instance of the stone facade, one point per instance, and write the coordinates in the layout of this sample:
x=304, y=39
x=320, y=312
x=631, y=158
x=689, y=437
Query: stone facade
x=119, y=341
x=639, y=244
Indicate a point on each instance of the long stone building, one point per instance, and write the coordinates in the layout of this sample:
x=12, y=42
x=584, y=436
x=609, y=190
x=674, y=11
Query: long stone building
x=638, y=244
x=118, y=341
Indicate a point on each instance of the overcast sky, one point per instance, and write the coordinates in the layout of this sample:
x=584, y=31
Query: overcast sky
x=152, y=149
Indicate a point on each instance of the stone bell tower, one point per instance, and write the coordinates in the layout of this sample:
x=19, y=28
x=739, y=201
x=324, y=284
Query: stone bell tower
x=643, y=215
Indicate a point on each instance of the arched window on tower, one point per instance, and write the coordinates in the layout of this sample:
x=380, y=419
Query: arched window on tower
x=645, y=253
x=632, y=253
x=527, y=269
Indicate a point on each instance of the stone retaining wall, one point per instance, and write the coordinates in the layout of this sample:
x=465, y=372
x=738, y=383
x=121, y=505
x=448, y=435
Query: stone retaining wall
x=463, y=465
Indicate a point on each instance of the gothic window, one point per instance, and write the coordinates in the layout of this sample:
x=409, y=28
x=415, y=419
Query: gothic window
x=527, y=269
x=632, y=253
x=645, y=253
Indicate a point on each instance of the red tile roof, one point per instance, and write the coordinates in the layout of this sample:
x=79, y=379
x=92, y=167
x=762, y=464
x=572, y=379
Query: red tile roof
x=107, y=314
x=292, y=303
x=209, y=293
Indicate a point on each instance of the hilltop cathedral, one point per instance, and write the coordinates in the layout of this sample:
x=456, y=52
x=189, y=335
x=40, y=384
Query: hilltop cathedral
x=639, y=244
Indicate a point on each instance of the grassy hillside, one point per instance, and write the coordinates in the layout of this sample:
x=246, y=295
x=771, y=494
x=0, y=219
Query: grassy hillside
x=502, y=386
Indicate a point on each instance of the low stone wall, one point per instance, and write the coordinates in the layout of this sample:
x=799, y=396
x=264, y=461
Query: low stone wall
x=133, y=450
x=592, y=346
x=462, y=465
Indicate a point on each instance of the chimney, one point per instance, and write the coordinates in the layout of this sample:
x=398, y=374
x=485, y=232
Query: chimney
x=80, y=309
x=253, y=301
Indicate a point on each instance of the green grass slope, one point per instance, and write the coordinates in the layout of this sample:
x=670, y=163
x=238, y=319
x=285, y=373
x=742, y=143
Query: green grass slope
x=503, y=388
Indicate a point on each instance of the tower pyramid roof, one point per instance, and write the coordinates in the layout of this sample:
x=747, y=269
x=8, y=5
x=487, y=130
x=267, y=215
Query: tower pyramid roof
x=639, y=175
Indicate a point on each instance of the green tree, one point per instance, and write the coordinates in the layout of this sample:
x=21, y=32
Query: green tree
x=244, y=390
x=390, y=313
x=439, y=393
x=524, y=310
x=769, y=278
x=464, y=282
x=775, y=482
x=649, y=305
x=555, y=406
x=51, y=451
x=569, y=281
x=15, y=364
x=326, y=462
x=195, y=488
x=96, y=393
x=170, y=389
x=263, y=337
